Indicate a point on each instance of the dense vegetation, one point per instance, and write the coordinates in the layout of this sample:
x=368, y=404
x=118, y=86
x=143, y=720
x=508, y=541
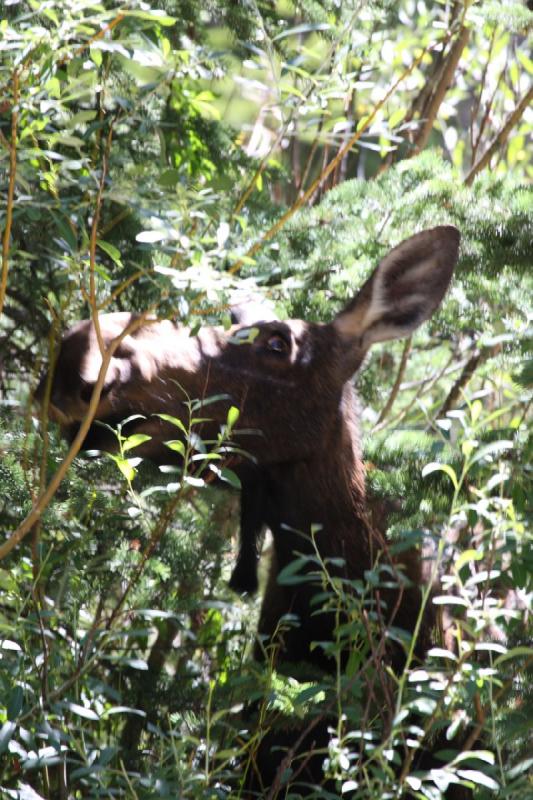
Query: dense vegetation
x=163, y=158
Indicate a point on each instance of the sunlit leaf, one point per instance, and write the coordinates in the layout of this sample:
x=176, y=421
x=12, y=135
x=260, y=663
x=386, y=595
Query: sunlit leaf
x=135, y=440
x=437, y=467
x=176, y=445
x=81, y=711
x=479, y=778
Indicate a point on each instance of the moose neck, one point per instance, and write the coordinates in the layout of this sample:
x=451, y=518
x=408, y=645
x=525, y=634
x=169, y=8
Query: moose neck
x=319, y=502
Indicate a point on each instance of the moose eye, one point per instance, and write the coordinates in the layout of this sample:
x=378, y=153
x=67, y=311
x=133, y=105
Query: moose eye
x=277, y=344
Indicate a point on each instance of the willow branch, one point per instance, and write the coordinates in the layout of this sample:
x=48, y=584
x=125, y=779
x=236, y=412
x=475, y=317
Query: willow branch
x=10, y=192
x=501, y=137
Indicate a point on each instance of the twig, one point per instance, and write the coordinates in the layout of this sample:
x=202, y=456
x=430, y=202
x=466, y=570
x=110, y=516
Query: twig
x=397, y=383
x=94, y=238
x=500, y=137
x=485, y=118
x=311, y=156
x=477, y=103
x=10, y=191
x=442, y=87
x=291, y=752
x=424, y=386
x=455, y=392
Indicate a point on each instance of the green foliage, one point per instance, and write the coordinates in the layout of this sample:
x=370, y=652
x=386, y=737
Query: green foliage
x=153, y=147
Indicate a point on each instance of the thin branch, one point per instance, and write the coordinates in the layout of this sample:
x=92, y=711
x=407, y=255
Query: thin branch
x=94, y=238
x=10, y=191
x=100, y=35
x=442, y=87
x=311, y=156
x=397, y=383
x=455, y=392
x=425, y=385
x=115, y=221
x=486, y=117
x=477, y=103
x=501, y=137
x=328, y=60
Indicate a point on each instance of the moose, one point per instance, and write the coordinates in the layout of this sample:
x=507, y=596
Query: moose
x=299, y=458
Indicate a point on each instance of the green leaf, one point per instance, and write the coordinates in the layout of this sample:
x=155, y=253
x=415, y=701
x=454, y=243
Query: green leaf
x=81, y=711
x=207, y=401
x=396, y=117
x=492, y=448
x=233, y=416
x=514, y=652
x=176, y=445
x=297, y=30
x=149, y=237
x=134, y=663
x=173, y=421
x=439, y=652
x=125, y=465
x=6, y=733
x=292, y=573
x=478, y=778
x=123, y=710
x=111, y=250
x=450, y=600
x=465, y=557
x=480, y=755
x=135, y=440
x=230, y=477
x=522, y=766
x=424, y=705
x=14, y=702
x=435, y=466
x=198, y=483
x=9, y=644
x=153, y=15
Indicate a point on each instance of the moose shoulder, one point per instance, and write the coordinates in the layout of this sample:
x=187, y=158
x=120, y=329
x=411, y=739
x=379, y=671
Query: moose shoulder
x=298, y=420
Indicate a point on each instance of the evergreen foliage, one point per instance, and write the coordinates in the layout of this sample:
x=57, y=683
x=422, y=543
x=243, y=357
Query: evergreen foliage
x=146, y=155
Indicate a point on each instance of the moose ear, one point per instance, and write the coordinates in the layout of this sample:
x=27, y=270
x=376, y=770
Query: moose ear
x=405, y=289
